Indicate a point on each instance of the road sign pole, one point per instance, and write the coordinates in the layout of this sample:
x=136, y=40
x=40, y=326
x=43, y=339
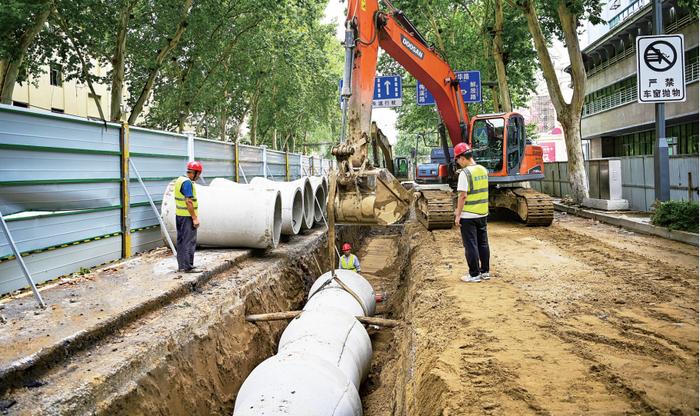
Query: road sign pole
x=662, y=188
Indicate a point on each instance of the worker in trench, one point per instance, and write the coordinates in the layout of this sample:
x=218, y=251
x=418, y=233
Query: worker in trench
x=471, y=212
x=186, y=218
x=349, y=261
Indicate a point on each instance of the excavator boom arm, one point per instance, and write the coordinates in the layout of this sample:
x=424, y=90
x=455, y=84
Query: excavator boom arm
x=394, y=33
x=367, y=195
x=431, y=70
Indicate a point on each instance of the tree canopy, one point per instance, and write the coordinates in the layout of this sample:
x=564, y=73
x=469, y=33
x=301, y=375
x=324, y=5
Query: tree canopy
x=206, y=65
x=463, y=34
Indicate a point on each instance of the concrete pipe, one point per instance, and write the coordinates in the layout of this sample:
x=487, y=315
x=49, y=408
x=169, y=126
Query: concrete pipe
x=323, y=356
x=226, y=222
x=333, y=296
x=292, y=203
x=324, y=182
x=335, y=336
x=309, y=204
x=297, y=384
x=320, y=195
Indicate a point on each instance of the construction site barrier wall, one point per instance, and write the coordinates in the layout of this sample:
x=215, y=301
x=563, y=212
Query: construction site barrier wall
x=637, y=179
x=72, y=202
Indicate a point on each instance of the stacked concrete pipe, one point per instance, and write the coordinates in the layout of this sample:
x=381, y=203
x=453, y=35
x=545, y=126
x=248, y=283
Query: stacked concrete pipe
x=309, y=204
x=226, y=221
x=292, y=200
x=323, y=356
x=320, y=190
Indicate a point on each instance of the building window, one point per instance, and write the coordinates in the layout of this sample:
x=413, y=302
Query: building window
x=56, y=75
x=685, y=137
x=20, y=104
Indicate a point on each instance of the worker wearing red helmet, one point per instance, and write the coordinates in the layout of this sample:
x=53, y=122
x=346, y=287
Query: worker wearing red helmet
x=349, y=261
x=186, y=218
x=472, y=210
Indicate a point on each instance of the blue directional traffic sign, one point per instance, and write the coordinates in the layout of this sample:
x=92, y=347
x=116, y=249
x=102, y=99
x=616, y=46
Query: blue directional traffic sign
x=469, y=81
x=387, y=91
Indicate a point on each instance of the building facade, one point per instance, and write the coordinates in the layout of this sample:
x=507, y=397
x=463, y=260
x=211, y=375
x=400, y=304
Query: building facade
x=50, y=92
x=613, y=122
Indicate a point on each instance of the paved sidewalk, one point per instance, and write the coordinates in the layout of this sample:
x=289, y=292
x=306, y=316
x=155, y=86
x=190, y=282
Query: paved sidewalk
x=636, y=221
x=82, y=310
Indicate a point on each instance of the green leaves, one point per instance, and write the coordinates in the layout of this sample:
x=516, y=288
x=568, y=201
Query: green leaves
x=462, y=32
x=676, y=215
x=206, y=65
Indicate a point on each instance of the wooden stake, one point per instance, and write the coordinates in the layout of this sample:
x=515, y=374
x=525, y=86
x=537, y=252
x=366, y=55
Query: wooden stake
x=282, y=316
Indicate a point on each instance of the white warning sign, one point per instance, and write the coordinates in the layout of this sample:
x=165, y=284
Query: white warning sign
x=660, y=69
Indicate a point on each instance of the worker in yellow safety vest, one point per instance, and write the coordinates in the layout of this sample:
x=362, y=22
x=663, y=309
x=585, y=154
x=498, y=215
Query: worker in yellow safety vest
x=472, y=210
x=186, y=217
x=349, y=261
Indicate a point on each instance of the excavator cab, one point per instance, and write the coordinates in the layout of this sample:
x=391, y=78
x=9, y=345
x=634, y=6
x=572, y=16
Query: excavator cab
x=402, y=168
x=500, y=144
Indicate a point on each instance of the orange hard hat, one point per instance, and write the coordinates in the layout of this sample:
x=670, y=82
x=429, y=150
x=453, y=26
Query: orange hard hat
x=461, y=149
x=195, y=166
x=347, y=247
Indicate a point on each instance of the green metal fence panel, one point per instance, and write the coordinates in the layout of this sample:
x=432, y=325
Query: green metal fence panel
x=61, y=187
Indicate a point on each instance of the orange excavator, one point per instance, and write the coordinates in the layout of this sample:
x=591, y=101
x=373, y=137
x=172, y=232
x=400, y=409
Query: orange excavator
x=364, y=194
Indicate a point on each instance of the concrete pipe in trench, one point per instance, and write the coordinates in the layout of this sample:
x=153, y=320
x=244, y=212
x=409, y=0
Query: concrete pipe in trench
x=292, y=202
x=226, y=221
x=323, y=356
x=320, y=195
x=332, y=296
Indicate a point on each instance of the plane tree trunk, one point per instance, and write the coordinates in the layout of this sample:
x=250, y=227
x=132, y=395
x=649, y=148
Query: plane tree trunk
x=568, y=114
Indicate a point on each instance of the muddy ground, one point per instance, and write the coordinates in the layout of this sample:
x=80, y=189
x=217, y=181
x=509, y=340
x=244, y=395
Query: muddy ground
x=581, y=318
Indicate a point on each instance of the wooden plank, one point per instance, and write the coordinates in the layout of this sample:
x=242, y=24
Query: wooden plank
x=281, y=316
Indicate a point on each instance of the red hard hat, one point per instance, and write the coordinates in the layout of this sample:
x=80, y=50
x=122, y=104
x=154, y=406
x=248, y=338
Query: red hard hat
x=195, y=166
x=461, y=149
x=347, y=247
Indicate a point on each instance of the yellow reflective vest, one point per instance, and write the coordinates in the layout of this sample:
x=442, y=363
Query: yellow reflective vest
x=348, y=263
x=181, y=200
x=477, y=201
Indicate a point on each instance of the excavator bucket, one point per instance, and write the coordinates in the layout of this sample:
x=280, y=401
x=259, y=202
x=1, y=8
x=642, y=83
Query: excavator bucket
x=373, y=197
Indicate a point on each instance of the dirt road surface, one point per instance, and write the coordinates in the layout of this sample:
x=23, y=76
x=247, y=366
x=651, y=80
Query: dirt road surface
x=581, y=318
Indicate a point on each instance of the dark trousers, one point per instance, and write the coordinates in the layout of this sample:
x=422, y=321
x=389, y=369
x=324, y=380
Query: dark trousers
x=476, y=244
x=186, y=242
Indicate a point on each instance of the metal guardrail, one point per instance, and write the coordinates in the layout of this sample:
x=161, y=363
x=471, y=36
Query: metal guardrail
x=604, y=103
x=629, y=94
x=691, y=71
x=671, y=28
x=612, y=61
x=627, y=12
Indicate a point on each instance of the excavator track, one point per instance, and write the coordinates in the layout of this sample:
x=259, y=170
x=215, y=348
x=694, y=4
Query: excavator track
x=540, y=210
x=534, y=208
x=435, y=208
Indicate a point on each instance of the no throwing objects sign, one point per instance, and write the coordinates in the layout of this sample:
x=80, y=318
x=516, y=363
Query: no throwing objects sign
x=660, y=69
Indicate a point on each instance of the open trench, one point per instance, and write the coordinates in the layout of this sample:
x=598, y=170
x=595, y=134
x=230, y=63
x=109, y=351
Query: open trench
x=191, y=356
x=547, y=335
